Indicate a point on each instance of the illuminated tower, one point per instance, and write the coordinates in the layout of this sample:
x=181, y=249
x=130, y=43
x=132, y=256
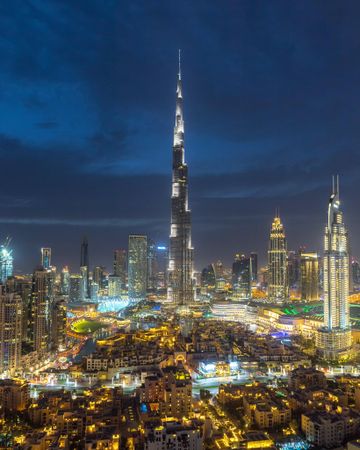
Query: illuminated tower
x=99, y=277
x=242, y=276
x=58, y=324
x=40, y=310
x=309, y=276
x=65, y=281
x=120, y=266
x=180, y=288
x=254, y=266
x=84, y=270
x=6, y=261
x=137, y=266
x=75, y=281
x=46, y=257
x=277, y=263
x=10, y=329
x=334, y=339
x=151, y=266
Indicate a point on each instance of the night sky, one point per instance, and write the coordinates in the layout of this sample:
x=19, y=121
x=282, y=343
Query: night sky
x=87, y=97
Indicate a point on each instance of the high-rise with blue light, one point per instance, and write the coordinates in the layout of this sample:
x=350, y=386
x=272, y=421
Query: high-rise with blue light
x=6, y=261
x=46, y=257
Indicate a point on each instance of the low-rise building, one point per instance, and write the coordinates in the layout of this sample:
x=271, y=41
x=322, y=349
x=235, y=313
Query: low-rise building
x=170, y=391
x=306, y=378
x=263, y=406
x=161, y=435
x=258, y=440
x=14, y=394
x=330, y=429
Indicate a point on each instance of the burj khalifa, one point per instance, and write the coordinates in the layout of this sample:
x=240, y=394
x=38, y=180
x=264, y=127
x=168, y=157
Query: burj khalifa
x=180, y=270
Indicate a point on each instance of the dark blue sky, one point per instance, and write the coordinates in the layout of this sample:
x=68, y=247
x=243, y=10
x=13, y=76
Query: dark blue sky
x=272, y=109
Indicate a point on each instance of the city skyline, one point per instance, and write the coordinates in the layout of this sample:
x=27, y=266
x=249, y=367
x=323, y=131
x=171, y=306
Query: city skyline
x=198, y=292
x=260, y=102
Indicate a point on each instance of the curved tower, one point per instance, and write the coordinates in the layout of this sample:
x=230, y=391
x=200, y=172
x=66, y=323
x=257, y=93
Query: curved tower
x=278, y=290
x=180, y=270
x=334, y=339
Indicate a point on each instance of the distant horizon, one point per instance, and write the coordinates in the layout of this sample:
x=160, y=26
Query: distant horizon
x=262, y=257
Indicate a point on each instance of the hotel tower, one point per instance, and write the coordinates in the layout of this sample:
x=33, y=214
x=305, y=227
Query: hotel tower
x=278, y=290
x=334, y=338
x=180, y=270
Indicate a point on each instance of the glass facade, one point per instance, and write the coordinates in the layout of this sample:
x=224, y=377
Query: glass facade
x=137, y=266
x=6, y=263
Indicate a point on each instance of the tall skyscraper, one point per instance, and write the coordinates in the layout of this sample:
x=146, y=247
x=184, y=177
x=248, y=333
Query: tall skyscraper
x=58, y=324
x=65, y=281
x=151, y=266
x=293, y=268
x=355, y=272
x=208, y=280
x=309, y=276
x=84, y=253
x=6, y=261
x=137, y=266
x=99, y=277
x=120, y=266
x=46, y=257
x=75, y=282
x=162, y=258
x=116, y=281
x=84, y=274
x=242, y=276
x=84, y=269
x=254, y=266
x=41, y=310
x=10, y=329
x=22, y=285
x=219, y=272
x=180, y=288
x=334, y=339
x=114, y=286
x=277, y=263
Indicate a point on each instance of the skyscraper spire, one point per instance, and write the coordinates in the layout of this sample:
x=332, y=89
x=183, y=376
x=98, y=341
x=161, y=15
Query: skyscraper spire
x=180, y=290
x=334, y=339
x=179, y=119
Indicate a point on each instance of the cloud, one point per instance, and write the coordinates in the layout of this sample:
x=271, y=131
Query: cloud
x=103, y=223
x=9, y=201
x=33, y=102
